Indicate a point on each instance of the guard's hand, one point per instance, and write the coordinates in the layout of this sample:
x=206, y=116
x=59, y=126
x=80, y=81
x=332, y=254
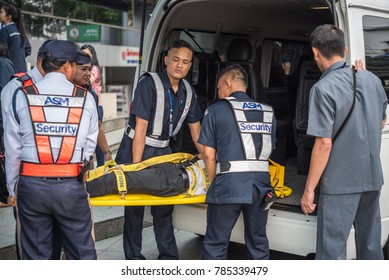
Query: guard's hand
x=307, y=204
x=86, y=175
x=11, y=201
x=108, y=156
x=200, y=156
x=359, y=65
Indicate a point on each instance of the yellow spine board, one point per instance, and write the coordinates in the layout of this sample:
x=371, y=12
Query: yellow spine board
x=140, y=199
x=277, y=174
x=111, y=165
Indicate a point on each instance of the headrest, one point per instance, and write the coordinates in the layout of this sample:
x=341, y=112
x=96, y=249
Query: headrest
x=239, y=50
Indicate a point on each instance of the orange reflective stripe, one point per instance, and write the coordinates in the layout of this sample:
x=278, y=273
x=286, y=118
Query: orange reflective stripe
x=24, y=78
x=44, y=148
x=42, y=142
x=74, y=115
x=19, y=75
x=49, y=170
x=67, y=149
x=79, y=91
x=37, y=114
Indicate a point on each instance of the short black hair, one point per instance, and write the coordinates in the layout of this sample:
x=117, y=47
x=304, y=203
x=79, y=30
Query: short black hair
x=178, y=44
x=94, y=60
x=329, y=40
x=4, y=51
x=237, y=73
x=49, y=64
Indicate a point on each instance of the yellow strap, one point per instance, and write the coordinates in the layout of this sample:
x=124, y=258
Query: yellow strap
x=121, y=181
x=277, y=176
x=277, y=171
x=111, y=165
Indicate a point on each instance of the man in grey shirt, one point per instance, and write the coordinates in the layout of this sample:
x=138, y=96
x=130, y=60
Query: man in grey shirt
x=349, y=170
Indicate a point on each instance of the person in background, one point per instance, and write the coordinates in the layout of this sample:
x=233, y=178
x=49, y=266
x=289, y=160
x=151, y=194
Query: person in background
x=7, y=69
x=14, y=36
x=6, y=66
x=95, y=84
x=347, y=198
x=82, y=78
x=279, y=69
x=238, y=140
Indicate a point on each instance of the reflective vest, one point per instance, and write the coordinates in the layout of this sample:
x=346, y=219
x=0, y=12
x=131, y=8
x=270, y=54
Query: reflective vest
x=252, y=162
x=43, y=129
x=152, y=139
x=23, y=78
x=26, y=81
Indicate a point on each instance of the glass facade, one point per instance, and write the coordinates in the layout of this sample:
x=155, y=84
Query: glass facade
x=106, y=22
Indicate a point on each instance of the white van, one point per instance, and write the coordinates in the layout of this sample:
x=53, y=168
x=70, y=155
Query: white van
x=247, y=32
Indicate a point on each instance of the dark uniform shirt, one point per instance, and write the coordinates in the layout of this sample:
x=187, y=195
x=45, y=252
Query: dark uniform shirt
x=11, y=37
x=219, y=131
x=7, y=70
x=143, y=106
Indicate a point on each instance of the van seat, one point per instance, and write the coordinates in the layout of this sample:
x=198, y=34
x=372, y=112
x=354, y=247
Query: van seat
x=240, y=52
x=309, y=75
x=203, y=77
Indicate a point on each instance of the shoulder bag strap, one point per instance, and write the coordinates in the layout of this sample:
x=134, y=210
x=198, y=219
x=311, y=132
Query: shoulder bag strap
x=351, y=109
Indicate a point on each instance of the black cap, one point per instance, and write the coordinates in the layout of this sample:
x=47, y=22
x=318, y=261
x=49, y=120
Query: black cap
x=83, y=55
x=61, y=50
x=42, y=48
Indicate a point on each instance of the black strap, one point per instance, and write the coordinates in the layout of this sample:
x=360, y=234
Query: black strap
x=14, y=103
x=190, y=162
x=351, y=109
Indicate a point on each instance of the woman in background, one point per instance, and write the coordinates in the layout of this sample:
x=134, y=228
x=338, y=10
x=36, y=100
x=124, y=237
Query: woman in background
x=95, y=83
x=14, y=36
x=6, y=71
x=6, y=66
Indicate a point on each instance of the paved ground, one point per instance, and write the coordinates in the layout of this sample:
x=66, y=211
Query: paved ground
x=189, y=246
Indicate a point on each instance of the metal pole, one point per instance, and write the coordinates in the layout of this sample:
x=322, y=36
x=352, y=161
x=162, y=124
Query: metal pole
x=142, y=31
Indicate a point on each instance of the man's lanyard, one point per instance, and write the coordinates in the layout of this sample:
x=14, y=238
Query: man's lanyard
x=170, y=113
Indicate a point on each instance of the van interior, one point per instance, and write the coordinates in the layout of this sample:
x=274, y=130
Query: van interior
x=261, y=36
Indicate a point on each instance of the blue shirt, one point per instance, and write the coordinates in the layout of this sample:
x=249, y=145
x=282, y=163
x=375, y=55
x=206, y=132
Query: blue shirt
x=219, y=131
x=11, y=37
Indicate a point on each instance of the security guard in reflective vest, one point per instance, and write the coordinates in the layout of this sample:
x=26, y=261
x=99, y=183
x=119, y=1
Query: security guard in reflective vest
x=8, y=102
x=50, y=134
x=236, y=157
x=161, y=104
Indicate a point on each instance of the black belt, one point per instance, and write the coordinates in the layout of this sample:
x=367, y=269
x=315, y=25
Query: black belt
x=58, y=178
x=185, y=177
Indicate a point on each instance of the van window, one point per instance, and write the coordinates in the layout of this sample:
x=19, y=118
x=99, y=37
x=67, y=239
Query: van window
x=205, y=41
x=376, y=30
x=285, y=59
